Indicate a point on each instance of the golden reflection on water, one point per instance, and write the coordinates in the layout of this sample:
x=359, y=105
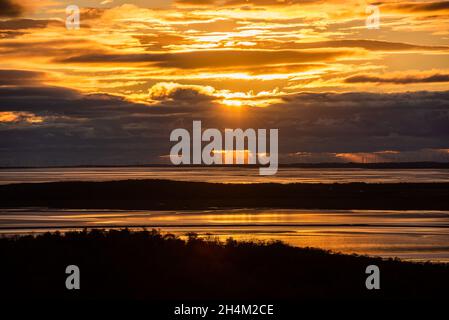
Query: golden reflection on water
x=225, y=175
x=416, y=235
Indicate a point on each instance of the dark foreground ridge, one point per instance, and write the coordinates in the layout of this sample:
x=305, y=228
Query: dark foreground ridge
x=148, y=265
x=172, y=195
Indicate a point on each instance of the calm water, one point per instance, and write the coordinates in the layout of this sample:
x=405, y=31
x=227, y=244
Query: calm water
x=413, y=235
x=224, y=175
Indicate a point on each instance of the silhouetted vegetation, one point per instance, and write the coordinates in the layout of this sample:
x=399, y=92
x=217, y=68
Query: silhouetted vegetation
x=163, y=194
x=150, y=265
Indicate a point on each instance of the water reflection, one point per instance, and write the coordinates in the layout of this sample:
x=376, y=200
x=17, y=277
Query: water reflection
x=415, y=235
x=225, y=175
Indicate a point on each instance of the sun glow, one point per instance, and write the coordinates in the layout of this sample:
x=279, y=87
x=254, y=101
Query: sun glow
x=252, y=56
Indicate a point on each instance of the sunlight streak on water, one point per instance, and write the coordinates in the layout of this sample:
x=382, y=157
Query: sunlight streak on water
x=413, y=235
x=225, y=175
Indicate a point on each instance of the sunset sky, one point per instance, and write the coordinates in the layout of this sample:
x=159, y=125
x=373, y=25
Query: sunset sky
x=111, y=91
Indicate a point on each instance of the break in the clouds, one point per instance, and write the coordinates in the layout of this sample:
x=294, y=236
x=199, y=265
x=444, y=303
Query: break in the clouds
x=44, y=125
x=111, y=91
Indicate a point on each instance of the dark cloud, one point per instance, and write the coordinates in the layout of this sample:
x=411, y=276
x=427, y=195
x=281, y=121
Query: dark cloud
x=10, y=34
x=422, y=7
x=9, y=8
x=20, y=24
x=104, y=129
x=19, y=77
x=210, y=58
x=196, y=2
x=91, y=13
x=398, y=80
x=373, y=45
x=13, y=28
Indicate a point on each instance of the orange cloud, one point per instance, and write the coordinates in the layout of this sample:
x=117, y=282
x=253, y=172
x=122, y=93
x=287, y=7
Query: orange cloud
x=16, y=117
x=234, y=46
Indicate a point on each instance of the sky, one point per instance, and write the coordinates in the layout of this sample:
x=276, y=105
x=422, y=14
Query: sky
x=111, y=91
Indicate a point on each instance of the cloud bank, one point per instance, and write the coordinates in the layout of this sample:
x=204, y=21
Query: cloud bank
x=70, y=127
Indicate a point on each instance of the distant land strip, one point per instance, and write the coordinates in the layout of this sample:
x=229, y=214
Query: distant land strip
x=177, y=195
